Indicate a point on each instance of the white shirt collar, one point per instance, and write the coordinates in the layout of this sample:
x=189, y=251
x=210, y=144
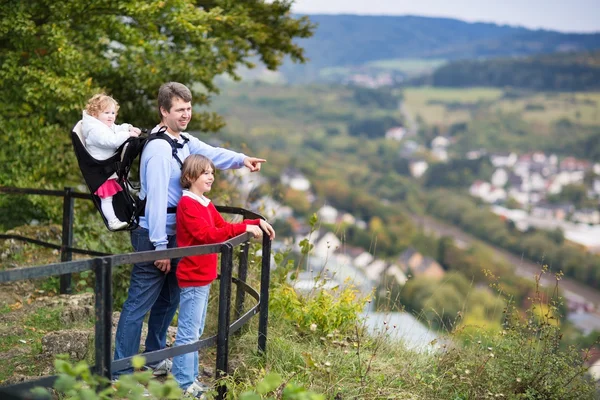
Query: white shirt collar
x=200, y=199
x=178, y=139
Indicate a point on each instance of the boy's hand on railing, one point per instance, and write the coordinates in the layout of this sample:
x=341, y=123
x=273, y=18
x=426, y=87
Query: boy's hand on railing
x=267, y=228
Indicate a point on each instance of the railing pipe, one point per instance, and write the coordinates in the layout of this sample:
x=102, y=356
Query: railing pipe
x=265, y=276
x=240, y=295
x=67, y=238
x=103, y=308
x=224, y=307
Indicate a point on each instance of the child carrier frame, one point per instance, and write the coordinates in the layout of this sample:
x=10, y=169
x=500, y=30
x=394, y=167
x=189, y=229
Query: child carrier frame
x=126, y=203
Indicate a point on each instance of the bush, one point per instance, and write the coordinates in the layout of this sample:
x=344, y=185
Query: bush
x=522, y=361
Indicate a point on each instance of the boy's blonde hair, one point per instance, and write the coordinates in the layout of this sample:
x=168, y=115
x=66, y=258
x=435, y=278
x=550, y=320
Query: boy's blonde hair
x=99, y=102
x=194, y=166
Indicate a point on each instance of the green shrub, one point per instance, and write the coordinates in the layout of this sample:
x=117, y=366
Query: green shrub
x=524, y=360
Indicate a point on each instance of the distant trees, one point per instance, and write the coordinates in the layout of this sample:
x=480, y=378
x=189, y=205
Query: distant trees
x=561, y=71
x=458, y=173
x=377, y=98
x=372, y=128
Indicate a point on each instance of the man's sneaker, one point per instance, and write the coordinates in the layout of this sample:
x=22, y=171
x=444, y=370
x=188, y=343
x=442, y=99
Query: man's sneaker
x=197, y=390
x=162, y=368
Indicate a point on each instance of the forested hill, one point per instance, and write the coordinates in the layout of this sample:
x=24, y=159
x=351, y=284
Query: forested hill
x=351, y=40
x=562, y=71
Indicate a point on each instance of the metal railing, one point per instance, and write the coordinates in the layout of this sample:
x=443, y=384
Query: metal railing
x=103, y=265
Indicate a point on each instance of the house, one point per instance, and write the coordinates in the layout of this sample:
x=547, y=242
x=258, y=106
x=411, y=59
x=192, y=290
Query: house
x=272, y=209
x=409, y=148
x=519, y=196
x=554, y=186
x=328, y=214
x=569, y=177
x=326, y=244
x=347, y=218
x=374, y=270
x=487, y=192
x=503, y=159
x=552, y=211
x=573, y=164
x=417, y=168
x=363, y=259
x=410, y=258
x=440, y=141
x=593, y=363
x=395, y=272
x=475, y=154
x=428, y=268
x=586, y=216
x=295, y=179
x=396, y=133
x=440, y=153
x=499, y=177
x=596, y=187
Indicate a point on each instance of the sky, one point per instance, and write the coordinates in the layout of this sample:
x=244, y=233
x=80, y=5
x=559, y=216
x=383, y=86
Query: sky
x=580, y=16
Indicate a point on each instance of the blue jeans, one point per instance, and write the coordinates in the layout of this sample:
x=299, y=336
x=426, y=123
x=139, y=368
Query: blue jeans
x=151, y=290
x=190, y=324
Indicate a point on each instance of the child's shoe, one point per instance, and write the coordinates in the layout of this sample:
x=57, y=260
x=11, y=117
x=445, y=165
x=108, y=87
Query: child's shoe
x=116, y=224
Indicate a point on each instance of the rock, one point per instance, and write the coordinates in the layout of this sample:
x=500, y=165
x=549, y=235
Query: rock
x=74, y=342
x=74, y=314
x=67, y=300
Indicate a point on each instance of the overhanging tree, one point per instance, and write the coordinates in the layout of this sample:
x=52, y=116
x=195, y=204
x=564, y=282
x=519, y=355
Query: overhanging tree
x=54, y=54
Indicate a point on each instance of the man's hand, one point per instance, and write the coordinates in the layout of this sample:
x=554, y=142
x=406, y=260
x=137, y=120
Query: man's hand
x=253, y=163
x=163, y=265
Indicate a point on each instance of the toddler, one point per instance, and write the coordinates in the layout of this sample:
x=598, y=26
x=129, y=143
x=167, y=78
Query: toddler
x=102, y=138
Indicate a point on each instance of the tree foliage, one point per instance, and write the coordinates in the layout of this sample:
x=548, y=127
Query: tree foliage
x=55, y=54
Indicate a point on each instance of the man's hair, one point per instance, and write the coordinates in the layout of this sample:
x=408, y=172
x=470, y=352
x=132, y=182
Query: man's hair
x=170, y=90
x=98, y=103
x=194, y=166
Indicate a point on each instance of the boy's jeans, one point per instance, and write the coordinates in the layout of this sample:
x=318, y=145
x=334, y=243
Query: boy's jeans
x=192, y=314
x=150, y=290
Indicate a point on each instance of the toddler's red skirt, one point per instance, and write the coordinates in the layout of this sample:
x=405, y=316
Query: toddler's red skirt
x=108, y=189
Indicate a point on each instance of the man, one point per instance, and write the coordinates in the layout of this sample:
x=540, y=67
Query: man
x=153, y=285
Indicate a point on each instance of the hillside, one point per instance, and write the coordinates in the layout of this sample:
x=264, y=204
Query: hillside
x=352, y=40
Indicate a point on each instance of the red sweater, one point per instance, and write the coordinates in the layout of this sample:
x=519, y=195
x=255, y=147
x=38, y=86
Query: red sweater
x=198, y=224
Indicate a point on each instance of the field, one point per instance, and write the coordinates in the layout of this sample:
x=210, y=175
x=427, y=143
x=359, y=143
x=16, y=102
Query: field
x=445, y=106
x=431, y=104
x=583, y=108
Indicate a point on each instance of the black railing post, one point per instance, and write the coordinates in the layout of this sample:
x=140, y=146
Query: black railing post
x=223, y=323
x=265, y=277
x=103, y=292
x=67, y=238
x=242, y=276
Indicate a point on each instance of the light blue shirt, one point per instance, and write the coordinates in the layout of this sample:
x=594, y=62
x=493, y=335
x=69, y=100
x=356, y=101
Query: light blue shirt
x=159, y=176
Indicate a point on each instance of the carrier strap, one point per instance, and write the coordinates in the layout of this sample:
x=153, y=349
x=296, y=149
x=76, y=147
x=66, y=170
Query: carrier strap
x=175, y=145
x=170, y=210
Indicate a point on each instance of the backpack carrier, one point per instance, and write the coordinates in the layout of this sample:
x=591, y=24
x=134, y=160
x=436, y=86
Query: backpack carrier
x=127, y=205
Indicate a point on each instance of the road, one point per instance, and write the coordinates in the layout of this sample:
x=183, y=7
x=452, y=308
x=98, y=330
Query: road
x=572, y=289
